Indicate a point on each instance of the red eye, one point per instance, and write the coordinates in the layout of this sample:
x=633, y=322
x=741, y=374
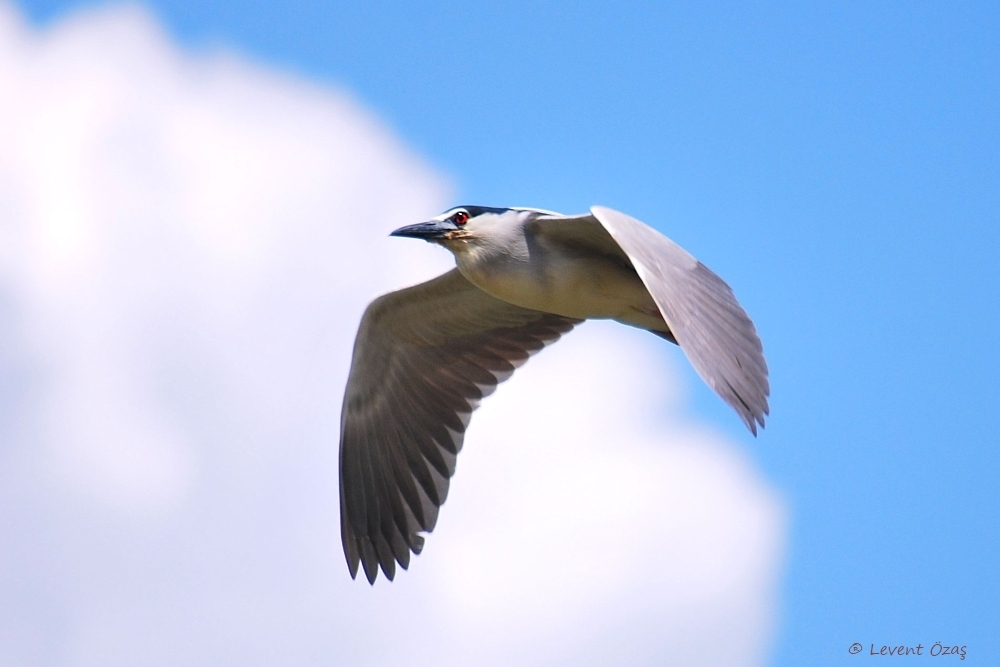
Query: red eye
x=460, y=218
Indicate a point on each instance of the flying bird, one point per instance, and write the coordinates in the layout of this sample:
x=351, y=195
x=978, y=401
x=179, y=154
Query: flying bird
x=425, y=356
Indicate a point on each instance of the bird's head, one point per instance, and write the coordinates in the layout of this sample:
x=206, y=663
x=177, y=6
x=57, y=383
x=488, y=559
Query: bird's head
x=462, y=225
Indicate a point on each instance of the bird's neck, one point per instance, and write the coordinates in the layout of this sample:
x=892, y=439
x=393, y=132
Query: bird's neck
x=478, y=261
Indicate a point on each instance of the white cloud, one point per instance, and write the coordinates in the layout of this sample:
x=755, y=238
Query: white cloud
x=186, y=245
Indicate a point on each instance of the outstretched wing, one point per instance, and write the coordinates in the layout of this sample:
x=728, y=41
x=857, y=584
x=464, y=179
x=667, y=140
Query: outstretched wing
x=699, y=307
x=709, y=324
x=423, y=359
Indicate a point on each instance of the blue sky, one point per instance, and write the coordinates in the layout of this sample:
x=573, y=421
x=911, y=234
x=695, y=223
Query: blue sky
x=837, y=163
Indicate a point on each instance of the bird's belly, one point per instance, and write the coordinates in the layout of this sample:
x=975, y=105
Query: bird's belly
x=591, y=288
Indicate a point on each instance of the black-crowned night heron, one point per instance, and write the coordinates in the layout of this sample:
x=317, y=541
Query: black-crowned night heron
x=426, y=355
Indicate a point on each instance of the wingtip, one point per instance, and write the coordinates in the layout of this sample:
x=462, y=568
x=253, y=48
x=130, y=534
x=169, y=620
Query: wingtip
x=350, y=554
x=753, y=423
x=371, y=573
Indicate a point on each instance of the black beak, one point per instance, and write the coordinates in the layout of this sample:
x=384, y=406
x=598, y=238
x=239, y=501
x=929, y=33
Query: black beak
x=428, y=231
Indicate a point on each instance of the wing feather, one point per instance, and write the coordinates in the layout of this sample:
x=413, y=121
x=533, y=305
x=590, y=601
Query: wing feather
x=703, y=314
x=424, y=358
x=700, y=309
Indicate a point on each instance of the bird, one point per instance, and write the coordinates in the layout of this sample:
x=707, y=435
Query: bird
x=425, y=356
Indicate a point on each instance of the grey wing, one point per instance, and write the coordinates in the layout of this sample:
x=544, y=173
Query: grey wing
x=709, y=324
x=423, y=359
x=699, y=307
